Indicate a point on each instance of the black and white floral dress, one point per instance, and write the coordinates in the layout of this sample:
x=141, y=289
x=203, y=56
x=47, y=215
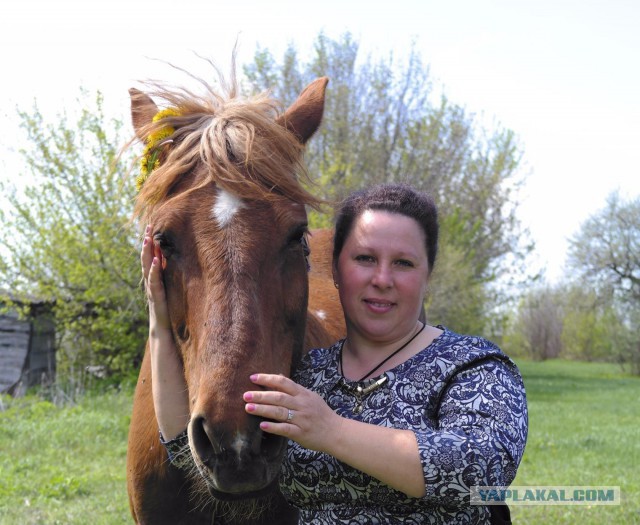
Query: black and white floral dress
x=465, y=401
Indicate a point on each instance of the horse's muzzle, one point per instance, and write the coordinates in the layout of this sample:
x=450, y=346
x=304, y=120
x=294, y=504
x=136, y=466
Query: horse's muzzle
x=236, y=465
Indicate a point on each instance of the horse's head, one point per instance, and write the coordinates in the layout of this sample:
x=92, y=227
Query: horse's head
x=223, y=195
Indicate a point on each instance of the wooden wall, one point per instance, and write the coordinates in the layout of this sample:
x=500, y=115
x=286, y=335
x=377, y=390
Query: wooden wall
x=27, y=348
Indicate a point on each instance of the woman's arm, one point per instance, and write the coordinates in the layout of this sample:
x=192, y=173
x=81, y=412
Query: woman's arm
x=479, y=440
x=170, y=396
x=482, y=432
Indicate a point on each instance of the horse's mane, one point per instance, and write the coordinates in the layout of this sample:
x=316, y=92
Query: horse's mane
x=238, y=140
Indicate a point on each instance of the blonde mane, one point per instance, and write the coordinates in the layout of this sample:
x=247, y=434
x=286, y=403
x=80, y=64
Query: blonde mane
x=228, y=139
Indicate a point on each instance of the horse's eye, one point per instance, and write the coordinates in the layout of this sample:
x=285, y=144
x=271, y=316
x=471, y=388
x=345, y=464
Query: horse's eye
x=165, y=244
x=305, y=245
x=299, y=237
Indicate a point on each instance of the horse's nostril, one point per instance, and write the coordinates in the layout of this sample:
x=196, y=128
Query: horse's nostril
x=202, y=443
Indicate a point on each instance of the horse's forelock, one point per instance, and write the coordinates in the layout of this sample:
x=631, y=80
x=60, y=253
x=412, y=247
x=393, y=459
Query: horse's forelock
x=237, y=139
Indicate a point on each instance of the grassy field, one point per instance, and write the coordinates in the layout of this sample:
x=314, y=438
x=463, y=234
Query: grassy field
x=584, y=429
x=67, y=465
x=64, y=465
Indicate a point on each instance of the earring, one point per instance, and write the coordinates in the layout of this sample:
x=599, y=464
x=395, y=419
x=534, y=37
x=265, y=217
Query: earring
x=336, y=285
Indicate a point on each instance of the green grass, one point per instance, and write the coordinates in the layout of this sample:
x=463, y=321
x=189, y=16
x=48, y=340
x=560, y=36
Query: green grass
x=67, y=465
x=64, y=465
x=584, y=429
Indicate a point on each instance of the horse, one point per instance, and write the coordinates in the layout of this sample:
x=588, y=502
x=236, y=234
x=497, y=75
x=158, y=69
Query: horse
x=222, y=185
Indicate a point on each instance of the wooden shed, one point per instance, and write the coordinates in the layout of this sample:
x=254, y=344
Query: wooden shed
x=27, y=344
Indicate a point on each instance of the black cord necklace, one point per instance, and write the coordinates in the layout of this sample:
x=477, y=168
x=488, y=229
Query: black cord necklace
x=361, y=390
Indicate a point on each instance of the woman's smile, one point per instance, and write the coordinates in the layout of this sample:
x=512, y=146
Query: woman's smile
x=379, y=306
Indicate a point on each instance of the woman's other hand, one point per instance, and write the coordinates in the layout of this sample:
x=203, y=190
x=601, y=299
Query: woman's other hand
x=170, y=392
x=292, y=411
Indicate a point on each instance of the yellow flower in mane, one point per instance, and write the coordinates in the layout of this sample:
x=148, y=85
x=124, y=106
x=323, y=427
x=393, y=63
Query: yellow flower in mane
x=150, y=159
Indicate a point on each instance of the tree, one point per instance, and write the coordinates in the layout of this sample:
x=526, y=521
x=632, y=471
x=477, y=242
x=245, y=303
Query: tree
x=606, y=249
x=382, y=124
x=573, y=321
x=539, y=323
x=590, y=325
x=65, y=237
x=605, y=253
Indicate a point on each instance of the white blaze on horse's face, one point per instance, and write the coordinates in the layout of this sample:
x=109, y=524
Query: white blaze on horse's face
x=239, y=444
x=226, y=206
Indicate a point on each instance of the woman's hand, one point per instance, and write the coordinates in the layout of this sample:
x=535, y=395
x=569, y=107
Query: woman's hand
x=293, y=411
x=170, y=393
x=388, y=454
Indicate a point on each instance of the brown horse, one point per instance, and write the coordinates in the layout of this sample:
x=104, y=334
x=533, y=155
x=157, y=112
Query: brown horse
x=228, y=211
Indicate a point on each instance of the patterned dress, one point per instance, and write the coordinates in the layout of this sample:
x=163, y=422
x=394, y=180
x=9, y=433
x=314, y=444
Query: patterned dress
x=465, y=401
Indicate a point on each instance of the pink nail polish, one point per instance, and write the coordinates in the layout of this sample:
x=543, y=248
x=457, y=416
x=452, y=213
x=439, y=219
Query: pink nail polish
x=254, y=377
x=251, y=407
x=248, y=396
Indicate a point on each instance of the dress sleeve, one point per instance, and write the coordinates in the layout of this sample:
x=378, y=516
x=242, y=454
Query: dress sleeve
x=480, y=432
x=178, y=451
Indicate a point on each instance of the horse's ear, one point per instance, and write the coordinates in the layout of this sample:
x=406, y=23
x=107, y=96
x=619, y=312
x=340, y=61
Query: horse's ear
x=304, y=116
x=143, y=109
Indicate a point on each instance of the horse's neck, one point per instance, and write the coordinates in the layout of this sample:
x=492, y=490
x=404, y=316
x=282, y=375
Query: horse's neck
x=317, y=335
x=321, y=247
x=325, y=320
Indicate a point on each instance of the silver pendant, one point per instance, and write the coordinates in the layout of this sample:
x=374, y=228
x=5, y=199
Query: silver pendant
x=359, y=393
x=359, y=406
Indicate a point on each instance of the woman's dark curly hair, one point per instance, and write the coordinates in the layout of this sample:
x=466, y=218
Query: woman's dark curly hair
x=394, y=198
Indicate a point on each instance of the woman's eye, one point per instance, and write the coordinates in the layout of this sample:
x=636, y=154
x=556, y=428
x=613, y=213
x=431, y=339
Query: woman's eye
x=364, y=258
x=405, y=263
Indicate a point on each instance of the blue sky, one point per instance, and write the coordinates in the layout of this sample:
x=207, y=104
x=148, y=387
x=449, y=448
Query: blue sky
x=564, y=75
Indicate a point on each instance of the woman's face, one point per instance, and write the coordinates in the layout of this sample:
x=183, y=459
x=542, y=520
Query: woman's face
x=382, y=274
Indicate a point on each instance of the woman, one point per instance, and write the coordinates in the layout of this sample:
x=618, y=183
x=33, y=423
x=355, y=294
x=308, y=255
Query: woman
x=394, y=423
